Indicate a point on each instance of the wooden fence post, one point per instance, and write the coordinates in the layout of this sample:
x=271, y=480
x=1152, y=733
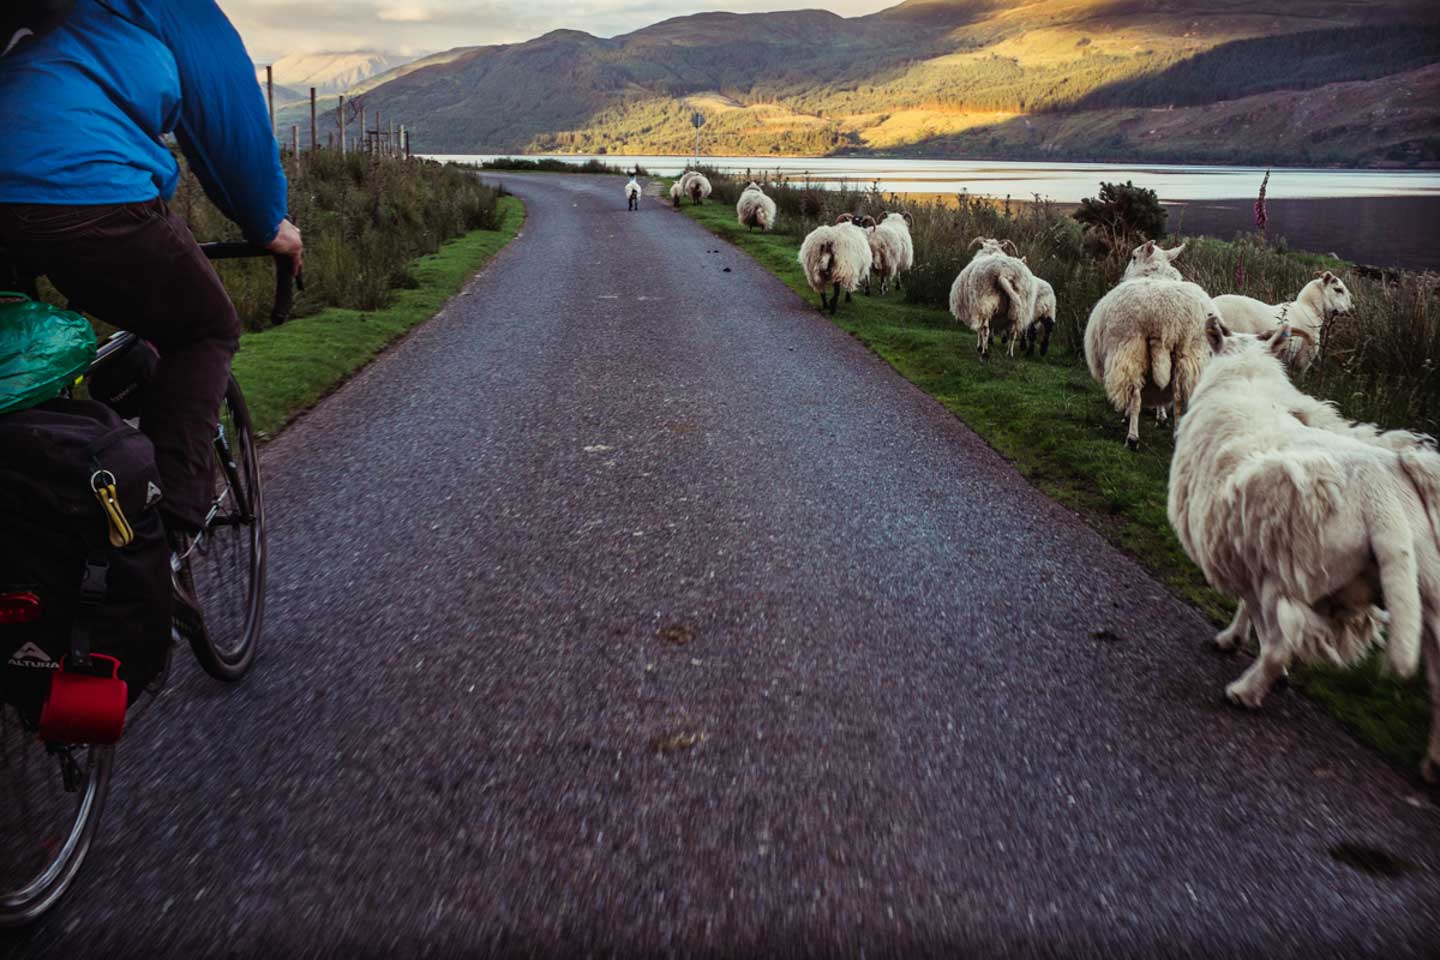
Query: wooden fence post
x=270, y=97
x=314, y=127
x=360, y=140
x=341, y=115
x=295, y=146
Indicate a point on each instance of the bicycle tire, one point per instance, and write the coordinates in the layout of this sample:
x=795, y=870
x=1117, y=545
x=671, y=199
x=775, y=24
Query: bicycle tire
x=48, y=839
x=225, y=572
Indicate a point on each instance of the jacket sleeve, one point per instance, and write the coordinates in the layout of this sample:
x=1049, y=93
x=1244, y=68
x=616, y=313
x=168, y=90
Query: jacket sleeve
x=224, y=125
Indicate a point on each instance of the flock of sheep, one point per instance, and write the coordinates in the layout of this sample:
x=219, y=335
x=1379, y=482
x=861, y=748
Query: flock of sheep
x=1326, y=531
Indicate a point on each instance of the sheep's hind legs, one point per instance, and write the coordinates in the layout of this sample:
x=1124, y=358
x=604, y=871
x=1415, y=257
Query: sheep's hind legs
x=835, y=300
x=1280, y=626
x=1132, y=417
x=1235, y=634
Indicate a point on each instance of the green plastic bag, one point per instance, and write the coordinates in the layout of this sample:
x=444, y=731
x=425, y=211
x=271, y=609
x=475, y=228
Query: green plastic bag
x=43, y=349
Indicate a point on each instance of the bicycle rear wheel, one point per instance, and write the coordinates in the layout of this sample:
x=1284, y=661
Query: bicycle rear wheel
x=225, y=571
x=46, y=824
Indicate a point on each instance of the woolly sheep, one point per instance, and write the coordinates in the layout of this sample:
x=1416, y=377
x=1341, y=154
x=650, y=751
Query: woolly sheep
x=837, y=256
x=696, y=186
x=677, y=191
x=994, y=284
x=1149, y=260
x=1043, y=325
x=899, y=225
x=754, y=209
x=632, y=194
x=1321, y=300
x=890, y=250
x=1311, y=527
x=1145, y=340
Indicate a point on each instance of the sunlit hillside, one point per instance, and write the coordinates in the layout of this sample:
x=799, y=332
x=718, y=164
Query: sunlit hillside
x=960, y=77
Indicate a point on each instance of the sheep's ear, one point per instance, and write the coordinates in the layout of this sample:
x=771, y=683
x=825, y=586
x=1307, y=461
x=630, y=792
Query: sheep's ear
x=1215, y=332
x=1147, y=248
x=1327, y=276
x=1174, y=252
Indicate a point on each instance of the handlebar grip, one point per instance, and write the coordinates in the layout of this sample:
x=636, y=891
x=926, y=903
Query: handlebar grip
x=287, y=278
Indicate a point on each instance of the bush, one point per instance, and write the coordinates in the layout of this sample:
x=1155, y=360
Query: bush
x=1122, y=216
x=363, y=222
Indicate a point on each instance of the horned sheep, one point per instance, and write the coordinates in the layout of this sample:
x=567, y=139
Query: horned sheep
x=835, y=256
x=754, y=208
x=1319, y=302
x=994, y=285
x=1145, y=340
x=893, y=249
x=1311, y=523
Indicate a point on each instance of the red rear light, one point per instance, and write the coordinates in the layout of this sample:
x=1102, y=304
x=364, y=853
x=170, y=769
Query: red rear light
x=19, y=607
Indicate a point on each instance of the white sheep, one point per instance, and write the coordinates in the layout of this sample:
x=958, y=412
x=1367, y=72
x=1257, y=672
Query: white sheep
x=1311, y=526
x=754, y=209
x=837, y=256
x=1149, y=260
x=887, y=253
x=696, y=186
x=992, y=286
x=897, y=225
x=1145, y=340
x=1320, y=301
x=1043, y=325
x=677, y=191
x=632, y=194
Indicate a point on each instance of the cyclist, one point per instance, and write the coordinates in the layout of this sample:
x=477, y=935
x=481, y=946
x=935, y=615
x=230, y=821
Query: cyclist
x=87, y=90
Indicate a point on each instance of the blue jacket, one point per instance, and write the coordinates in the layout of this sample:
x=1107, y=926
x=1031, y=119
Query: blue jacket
x=82, y=111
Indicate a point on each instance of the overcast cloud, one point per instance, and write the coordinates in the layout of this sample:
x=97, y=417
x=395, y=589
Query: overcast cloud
x=273, y=28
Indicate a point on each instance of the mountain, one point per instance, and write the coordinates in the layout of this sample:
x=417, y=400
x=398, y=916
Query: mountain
x=1072, y=78
x=328, y=73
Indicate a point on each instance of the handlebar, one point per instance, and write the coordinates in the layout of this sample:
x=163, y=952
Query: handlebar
x=287, y=278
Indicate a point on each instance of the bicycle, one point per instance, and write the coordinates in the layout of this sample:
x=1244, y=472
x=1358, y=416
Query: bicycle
x=49, y=822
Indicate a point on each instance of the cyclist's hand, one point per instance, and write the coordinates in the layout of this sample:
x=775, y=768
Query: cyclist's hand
x=287, y=243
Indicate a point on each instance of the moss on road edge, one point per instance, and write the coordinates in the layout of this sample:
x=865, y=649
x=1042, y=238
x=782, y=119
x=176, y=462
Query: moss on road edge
x=288, y=369
x=1053, y=423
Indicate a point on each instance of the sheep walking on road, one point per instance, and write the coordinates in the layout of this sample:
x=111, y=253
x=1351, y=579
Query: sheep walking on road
x=677, y=191
x=1145, y=340
x=754, y=209
x=632, y=194
x=1311, y=523
x=1319, y=302
x=835, y=257
x=994, y=289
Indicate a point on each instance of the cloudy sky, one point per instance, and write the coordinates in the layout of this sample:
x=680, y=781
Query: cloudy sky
x=272, y=28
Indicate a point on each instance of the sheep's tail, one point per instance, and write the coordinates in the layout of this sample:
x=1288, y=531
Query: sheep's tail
x=1016, y=311
x=1125, y=372
x=1422, y=469
x=1392, y=541
x=1160, y=363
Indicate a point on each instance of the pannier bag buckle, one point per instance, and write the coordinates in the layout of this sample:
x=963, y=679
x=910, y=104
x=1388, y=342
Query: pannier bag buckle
x=83, y=708
x=103, y=483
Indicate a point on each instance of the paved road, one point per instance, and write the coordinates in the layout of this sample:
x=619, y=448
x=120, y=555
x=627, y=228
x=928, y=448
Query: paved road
x=882, y=722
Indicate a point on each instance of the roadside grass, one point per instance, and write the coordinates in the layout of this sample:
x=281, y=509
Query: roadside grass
x=287, y=369
x=1054, y=424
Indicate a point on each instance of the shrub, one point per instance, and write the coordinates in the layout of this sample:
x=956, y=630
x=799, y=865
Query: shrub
x=1122, y=216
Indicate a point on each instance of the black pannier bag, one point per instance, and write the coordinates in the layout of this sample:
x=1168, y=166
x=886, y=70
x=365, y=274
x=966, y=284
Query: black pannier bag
x=78, y=496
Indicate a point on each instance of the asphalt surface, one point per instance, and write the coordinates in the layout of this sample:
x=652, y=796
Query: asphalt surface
x=630, y=607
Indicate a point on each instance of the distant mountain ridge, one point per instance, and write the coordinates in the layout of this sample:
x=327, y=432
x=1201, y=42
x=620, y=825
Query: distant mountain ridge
x=328, y=73
x=948, y=77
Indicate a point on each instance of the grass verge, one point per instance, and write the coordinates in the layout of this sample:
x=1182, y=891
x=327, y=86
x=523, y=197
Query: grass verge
x=287, y=369
x=1048, y=418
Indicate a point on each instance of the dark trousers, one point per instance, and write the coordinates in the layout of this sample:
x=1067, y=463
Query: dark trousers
x=136, y=266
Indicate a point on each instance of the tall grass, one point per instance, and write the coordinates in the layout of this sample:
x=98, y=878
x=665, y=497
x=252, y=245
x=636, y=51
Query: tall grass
x=363, y=223
x=1380, y=364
